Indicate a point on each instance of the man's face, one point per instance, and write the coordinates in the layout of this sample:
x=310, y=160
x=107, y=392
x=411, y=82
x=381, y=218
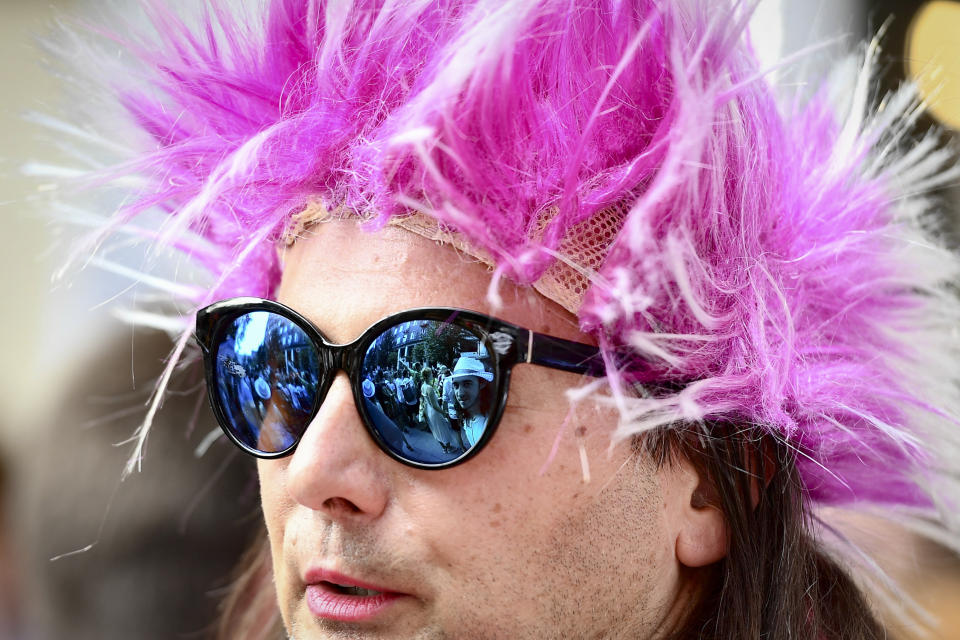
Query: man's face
x=507, y=545
x=467, y=391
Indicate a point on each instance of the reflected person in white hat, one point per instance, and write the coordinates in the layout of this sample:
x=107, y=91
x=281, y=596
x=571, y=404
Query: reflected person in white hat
x=469, y=380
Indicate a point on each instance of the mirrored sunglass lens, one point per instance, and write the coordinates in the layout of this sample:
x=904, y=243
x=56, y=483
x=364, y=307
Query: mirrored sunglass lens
x=267, y=373
x=428, y=390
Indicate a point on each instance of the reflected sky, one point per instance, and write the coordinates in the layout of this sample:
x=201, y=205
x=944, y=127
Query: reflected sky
x=250, y=333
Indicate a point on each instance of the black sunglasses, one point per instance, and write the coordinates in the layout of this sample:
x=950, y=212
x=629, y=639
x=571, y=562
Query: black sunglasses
x=430, y=384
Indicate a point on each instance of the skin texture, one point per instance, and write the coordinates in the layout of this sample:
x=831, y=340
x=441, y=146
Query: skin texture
x=493, y=548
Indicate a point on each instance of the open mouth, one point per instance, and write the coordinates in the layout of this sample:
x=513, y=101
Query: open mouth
x=348, y=602
x=349, y=590
x=332, y=595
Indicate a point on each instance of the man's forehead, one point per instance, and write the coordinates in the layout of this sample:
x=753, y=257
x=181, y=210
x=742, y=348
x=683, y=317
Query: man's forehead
x=400, y=270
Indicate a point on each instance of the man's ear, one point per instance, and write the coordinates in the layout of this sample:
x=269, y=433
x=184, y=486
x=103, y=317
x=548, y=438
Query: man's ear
x=699, y=526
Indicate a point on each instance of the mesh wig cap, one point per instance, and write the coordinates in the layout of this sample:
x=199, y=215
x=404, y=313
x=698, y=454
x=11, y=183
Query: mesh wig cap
x=625, y=157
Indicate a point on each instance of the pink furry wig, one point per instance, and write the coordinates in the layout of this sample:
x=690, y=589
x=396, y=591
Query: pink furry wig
x=772, y=260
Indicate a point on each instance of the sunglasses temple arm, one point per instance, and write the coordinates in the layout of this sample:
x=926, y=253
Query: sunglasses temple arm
x=557, y=353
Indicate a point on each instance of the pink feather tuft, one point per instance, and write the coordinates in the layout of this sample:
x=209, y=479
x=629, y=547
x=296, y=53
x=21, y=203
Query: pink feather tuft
x=773, y=261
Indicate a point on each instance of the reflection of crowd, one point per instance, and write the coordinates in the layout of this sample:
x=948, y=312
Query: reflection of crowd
x=270, y=385
x=255, y=397
x=452, y=405
x=264, y=392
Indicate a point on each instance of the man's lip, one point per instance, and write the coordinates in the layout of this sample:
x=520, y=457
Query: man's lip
x=328, y=602
x=319, y=574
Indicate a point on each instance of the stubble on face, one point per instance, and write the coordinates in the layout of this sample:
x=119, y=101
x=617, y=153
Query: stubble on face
x=503, y=550
x=598, y=575
x=598, y=571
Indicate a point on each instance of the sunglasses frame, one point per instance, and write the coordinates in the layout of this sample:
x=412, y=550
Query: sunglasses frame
x=507, y=344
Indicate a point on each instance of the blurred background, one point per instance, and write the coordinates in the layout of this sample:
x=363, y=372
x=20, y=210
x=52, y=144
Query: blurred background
x=84, y=555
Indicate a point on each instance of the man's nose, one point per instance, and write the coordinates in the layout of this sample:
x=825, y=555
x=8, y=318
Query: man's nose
x=336, y=467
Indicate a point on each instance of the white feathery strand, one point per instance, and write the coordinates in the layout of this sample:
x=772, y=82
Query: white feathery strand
x=493, y=290
x=771, y=69
x=640, y=341
x=845, y=146
x=678, y=267
x=176, y=289
x=576, y=395
x=159, y=321
x=87, y=218
x=44, y=170
x=584, y=461
x=140, y=435
x=156, y=400
x=207, y=442
x=901, y=437
x=919, y=524
x=75, y=132
x=335, y=19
